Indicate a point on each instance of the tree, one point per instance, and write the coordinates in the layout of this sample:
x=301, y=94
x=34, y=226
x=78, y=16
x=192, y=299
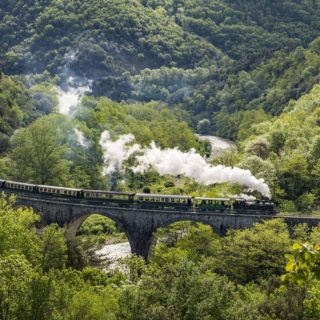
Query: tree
x=89, y=304
x=198, y=242
x=293, y=173
x=302, y=263
x=260, y=168
x=258, y=252
x=259, y=147
x=17, y=230
x=38, y=152
x=15, y=278
x=54, y=248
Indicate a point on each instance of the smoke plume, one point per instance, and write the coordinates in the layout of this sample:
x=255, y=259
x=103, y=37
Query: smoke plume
x=83, y=142
x=70, y=95
x=116, y=152
x=173, y=162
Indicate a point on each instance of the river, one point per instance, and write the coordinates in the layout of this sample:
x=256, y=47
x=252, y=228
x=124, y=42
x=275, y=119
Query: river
x=115, y=251
x=217, y=144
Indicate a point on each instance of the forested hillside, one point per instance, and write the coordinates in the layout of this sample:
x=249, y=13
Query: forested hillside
x=216, y=58
x=219, y=67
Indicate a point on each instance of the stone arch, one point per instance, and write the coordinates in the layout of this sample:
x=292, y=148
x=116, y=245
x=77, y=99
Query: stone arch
x=216, y=227
x=74, y=225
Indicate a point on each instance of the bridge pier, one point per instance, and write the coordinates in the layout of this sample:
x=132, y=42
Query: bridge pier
x=140, y=242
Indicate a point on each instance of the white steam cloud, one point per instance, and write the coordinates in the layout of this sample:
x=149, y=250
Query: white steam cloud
x=174, y=162
x=80, y=137
x=70, y=97
x=243, y=196
x=116, y=152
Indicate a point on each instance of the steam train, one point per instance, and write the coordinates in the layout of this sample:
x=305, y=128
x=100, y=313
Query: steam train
x=145, y=200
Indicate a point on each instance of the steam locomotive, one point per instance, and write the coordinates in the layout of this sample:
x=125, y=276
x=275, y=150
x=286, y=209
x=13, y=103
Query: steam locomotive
x=145, y=200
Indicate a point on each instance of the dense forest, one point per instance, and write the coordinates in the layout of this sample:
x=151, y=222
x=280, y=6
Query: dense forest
x=216, y=58
x=156, y=74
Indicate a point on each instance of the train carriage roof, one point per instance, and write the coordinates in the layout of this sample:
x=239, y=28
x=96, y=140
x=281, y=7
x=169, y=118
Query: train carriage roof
x=111, y=192
x=212, y=199
x=21, y=183
x=59, y=188
x=152, y=195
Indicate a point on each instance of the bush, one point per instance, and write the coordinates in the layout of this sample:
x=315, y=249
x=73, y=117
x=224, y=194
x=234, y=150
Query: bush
x=168, y=184
x=305, y=202
x=287, y=206
x=146, y=190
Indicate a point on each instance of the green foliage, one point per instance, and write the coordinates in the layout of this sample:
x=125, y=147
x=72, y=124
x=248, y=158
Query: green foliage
x=285, y=153
x=97, y=224
x=148, y=122
x=15, y=278
x=54, y=248
x=91, y=305
x=193, y=274
x=260, y=169
x=252, y=254
x=17, y=232
x=37, y=152
x=220, y=60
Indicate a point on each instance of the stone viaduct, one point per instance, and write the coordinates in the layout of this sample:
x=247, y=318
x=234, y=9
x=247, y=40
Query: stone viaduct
x=139, y=225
